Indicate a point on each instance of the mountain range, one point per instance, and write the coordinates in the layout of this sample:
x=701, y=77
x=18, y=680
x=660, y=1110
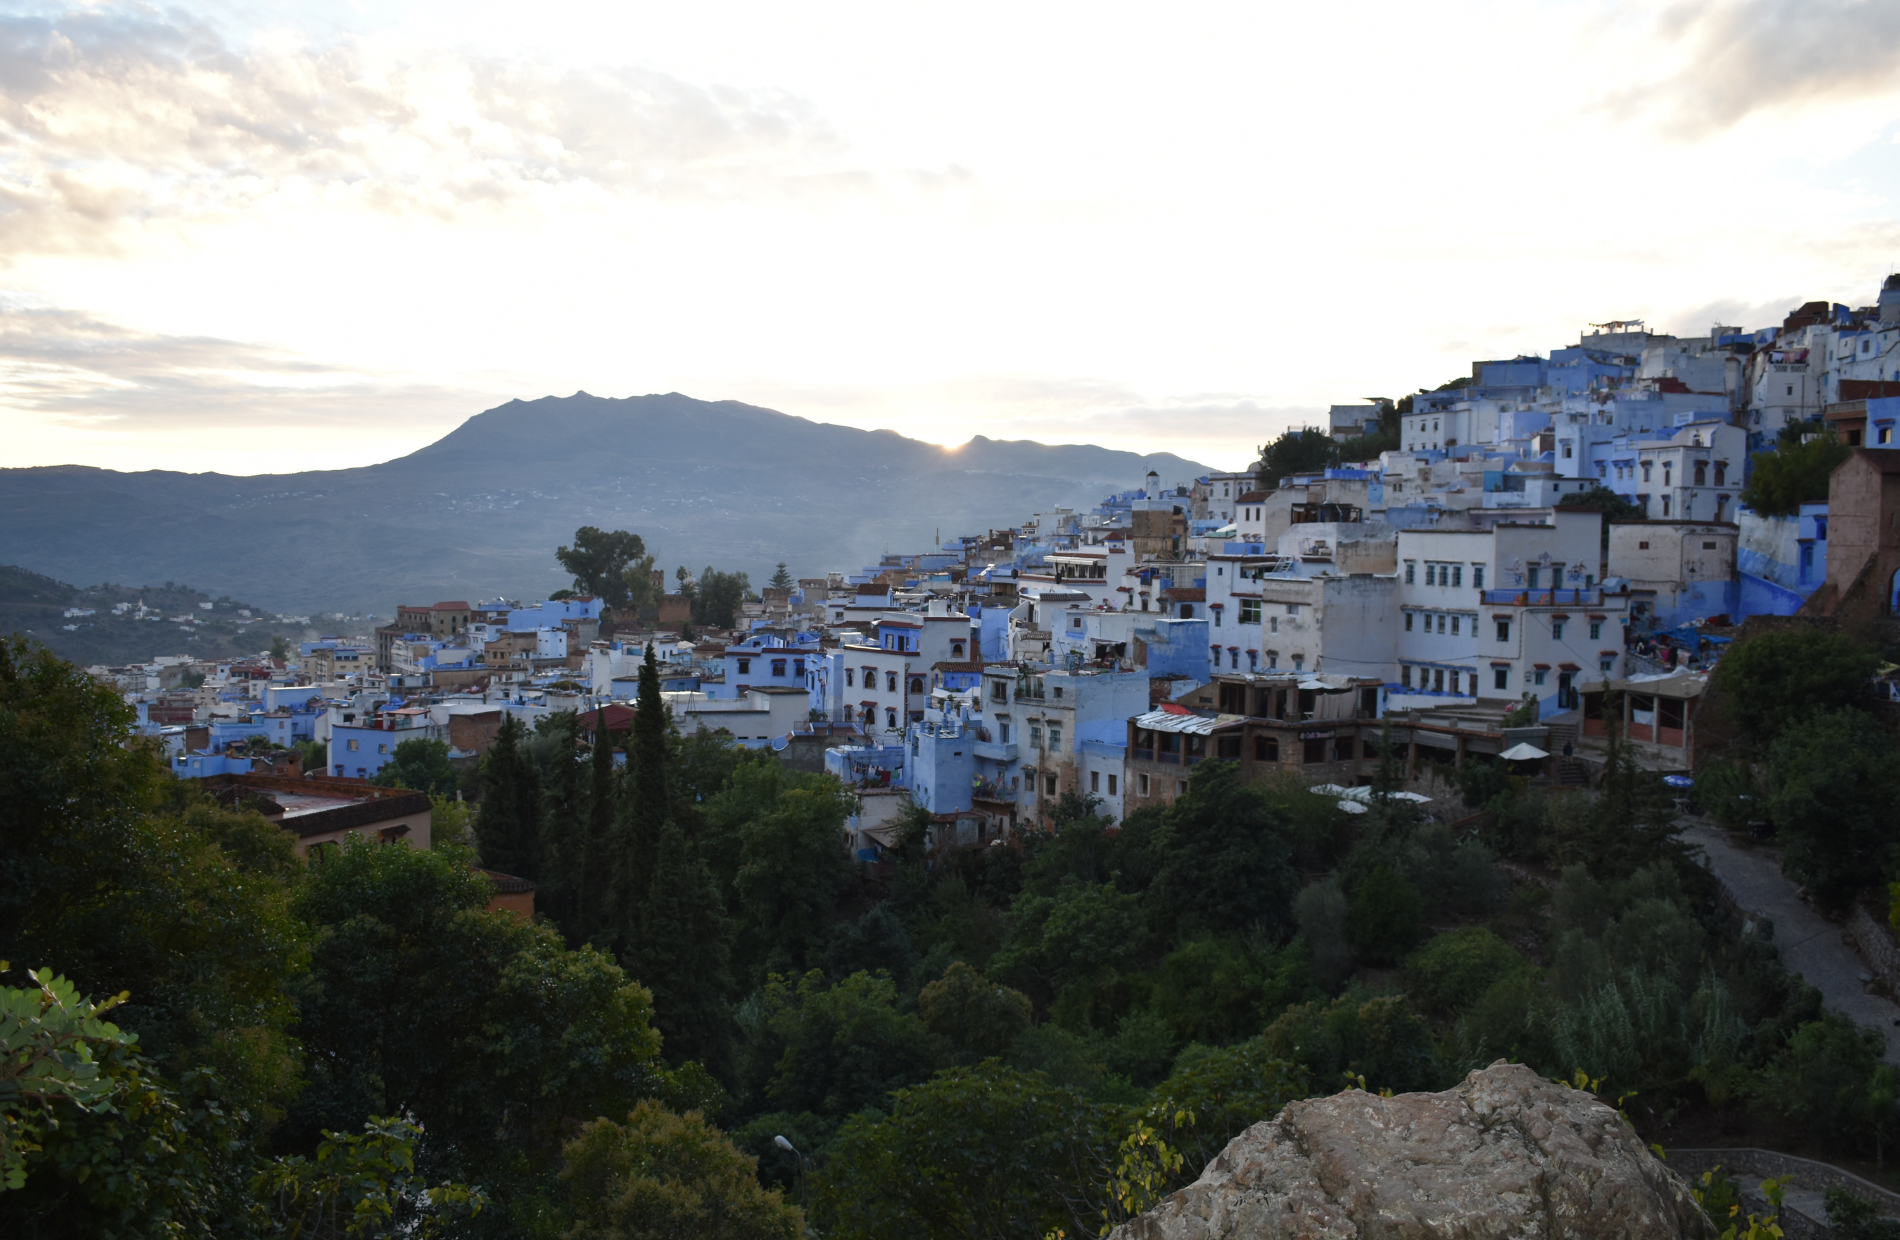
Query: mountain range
x=480, y=511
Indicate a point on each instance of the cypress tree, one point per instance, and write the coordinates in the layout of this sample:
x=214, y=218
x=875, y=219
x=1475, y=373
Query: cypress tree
x=561, y=835
x=682, y=954
x=508, y=827
x=594, y=919
x=647, y=809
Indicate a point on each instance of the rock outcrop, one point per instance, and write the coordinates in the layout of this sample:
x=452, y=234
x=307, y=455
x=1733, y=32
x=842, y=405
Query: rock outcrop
x=1506, y=1154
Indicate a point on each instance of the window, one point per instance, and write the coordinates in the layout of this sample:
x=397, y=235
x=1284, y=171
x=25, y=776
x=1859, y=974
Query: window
x=798, y=667
x=1708, y=546
x=1606, y=664
x=1266, y=749
x=1095, y=781
x=745, y=667
x=1299, y=662
x=1250, y=611
x=1217, y=614
x=1292, y=609
x=890, y=682
x=352, y=745
x=1180, y=787
x=1431, y=574
x=1049, y=784
x=1441, y=624
x=1454, y=626
x=1721, y=472
x=1537, y=677
x=1477, y=576
x=1343, y=749
x=1111, y=785
x=778, y=667
x=1504, y=630
x=1501, y=678
x=1531, y=576
x=870, y=678
x=1227, y=748
x=1315, y=751
x=1646, y=471
x=1409, y=569
x=1035, y=736
x=1408, y=622
x=1058, y=692
x=1666, y=503
x=1642, y=546
x=890, y=717
x=1557, y=630
x=1273, y=624
x=1405, y=675
x=1438, y=680
x=1002, y=732
x=1457, y=574
x=1055, y=738
x=999, y=691
x=956, y=650
x=1596, y=629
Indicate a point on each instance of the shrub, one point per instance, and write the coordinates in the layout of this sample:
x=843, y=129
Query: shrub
x=1384, y=919
x=1452, y=970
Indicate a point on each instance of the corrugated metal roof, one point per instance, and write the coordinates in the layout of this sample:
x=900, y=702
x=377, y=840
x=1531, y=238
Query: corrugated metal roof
x=1173, y=721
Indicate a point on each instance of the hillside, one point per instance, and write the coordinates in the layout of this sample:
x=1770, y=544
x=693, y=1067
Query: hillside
x=36, y=605
x=480, y=511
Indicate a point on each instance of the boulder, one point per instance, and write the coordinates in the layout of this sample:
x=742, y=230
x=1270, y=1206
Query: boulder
x=1504, y=1155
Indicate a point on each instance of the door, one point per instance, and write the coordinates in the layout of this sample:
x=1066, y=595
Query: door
x=1566, y=696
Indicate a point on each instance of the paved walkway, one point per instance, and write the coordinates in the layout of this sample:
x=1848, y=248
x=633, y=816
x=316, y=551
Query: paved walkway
x=1809, y=944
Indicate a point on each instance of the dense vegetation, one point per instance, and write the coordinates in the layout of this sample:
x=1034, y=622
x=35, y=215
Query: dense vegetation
x=33, y=603
x=1000, y=1041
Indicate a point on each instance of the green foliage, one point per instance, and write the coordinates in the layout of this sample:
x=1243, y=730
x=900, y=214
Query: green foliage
x=1070, y=937
x=973, y=1013
x=1850, y=1217
x=1227, y=1089
x=1386, y=916
x=983, y=1151
x=598, y=561
x=1453, y=970
x=1222, y=990
x=1796, y=471
x=717, y=599
x=1386, y=439
x=682, y=954
x=419, y=763
x=1322, y=911
x=1382, y=1040
x=1776, y=679
x=523, y=1034
x=1825, y=1079
x=1303, y=451
x=508, y=826
x=1833, y=785
x=660, y=1176
x=781, y=578
x=835, y=1049
x=792, y=870
x=1226, y=862
x=359, y=1184
x=49, y=1043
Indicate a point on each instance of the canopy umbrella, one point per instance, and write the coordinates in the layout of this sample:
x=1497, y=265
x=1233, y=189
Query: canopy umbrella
x=1679, y=781
x=1352, y=807
x=1523, y=751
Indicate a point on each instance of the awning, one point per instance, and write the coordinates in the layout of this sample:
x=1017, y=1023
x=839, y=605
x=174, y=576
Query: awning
x=1568, y=667
x=1523, y=751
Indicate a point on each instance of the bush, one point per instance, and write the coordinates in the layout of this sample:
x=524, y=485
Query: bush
x=1381, y=1039
x=1823, y=1079
x=1385, y=917
x=975, y=1014
x=1321, y=911
x=1452, y=970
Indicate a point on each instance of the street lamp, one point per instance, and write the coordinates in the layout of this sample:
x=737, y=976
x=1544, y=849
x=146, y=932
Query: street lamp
x=783, y=1144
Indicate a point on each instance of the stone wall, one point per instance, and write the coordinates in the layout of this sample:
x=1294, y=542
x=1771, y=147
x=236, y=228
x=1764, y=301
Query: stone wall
x=1804, y=1213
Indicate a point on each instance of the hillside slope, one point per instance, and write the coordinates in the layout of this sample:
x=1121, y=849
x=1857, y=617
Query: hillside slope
x=481, y=510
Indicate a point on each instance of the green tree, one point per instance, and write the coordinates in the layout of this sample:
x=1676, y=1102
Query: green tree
x=1833, y=787
x=126, y=880
x=1381, y=1039
x=717, y=598
x=1772, y=680
x=1068, y=938
x=1385, y=439
x=1796, y=471
x=420, y=763
x=646, y=807
x=983, y=1151
x=279, y=649
x=644, y=586
x=1303, y=451
x=832, y=1049
x=359, y=1184
x=599, y=854
x=975, y=1014
x=1453, y=970
x=1385, y=916
x=682, y=953
x=1228, y=865
x=487, y=1029
x=781, y=578
x=508, y=825
x=598, y=562
x=659, y=1176
x=1220, y=990
x=791, y=873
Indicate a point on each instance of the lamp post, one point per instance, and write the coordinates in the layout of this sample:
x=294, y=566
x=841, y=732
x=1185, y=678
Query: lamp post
x=787, y=1146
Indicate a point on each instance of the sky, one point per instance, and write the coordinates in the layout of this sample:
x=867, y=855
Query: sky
x=281, y=236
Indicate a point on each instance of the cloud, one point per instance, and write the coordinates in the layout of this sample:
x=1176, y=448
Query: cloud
x=1744, y=56
x=67, y=378
x=114, y=117
x=1729, y=312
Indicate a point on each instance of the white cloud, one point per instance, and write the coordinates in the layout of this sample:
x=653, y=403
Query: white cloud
x=111, y=118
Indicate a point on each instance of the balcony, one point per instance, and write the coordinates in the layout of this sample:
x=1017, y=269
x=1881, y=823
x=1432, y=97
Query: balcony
x=1592, y=597
x=996, y=751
